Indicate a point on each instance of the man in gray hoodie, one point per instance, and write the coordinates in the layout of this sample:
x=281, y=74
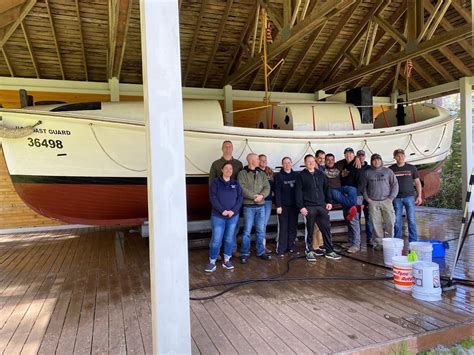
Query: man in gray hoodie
x=381, y=188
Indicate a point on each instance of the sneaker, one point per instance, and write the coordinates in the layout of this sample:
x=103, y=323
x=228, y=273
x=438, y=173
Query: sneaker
x=243, y=259
x=294, y=252
x=378, y=247
x=332, y=255
x=346, y=245
x=210, y=268
x=229, y=265
x=353, y=249
x=282, y=255
x=311, y=256
x=352, y=213
x=265, y=257
x=321, y=247
x=319, y=252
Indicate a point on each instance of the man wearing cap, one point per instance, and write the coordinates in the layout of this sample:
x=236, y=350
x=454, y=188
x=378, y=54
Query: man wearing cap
x=368, y=224
x=381, y=188
x=407, y=177
x=352, y=177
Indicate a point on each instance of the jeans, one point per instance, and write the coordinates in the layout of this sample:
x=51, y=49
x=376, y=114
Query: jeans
x=222, y=229
x=409, y=204
x=268, y=211
x=345, y=195
x=353, y=229
x=253, y=216
x=368, y=224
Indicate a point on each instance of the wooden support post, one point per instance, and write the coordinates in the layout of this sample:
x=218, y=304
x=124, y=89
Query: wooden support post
x=411, y=25
x=228, y=106
x=114, y=89
x=9, y=66
x=467, y=144
x=166, y=177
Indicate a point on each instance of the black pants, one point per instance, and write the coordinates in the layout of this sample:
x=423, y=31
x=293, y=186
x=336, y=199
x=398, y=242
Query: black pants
x=287, y=225
x=320, y=216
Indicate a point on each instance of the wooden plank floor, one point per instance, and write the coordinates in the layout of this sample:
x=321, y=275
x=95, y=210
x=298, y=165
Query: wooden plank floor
x=87, y=291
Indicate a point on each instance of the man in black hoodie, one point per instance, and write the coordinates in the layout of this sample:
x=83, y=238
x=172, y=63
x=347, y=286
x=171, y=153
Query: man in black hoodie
x=314, y=201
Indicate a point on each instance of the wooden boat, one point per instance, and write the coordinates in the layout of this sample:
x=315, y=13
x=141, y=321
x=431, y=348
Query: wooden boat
x=87, y=163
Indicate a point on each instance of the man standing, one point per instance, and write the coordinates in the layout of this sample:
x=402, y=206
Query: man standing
x=351, y=178
x=407, y=176
x=318, y=241
x=255, y=187
x=314, y=201
x=381, y=188
x=263, y=165
x=368, y=224
x=227, y=149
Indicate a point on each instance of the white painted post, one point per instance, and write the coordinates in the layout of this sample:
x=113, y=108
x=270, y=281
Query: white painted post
x=228, y=106
x=166, y=176
x=114, y=88
x=467, y=145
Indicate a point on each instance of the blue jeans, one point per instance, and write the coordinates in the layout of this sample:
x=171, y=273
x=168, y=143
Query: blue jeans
x=409, y=204
x=222, y=229
x=253, y=216
x=345, y=195
x=268, y=211
x=353, y=229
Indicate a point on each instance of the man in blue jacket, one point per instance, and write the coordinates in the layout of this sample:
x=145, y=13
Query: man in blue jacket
x=314, y=202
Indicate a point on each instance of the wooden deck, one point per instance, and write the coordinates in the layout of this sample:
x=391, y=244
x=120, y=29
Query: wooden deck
x=87, y=291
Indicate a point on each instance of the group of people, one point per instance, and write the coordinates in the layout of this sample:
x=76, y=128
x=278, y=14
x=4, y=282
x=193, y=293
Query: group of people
x=378, y=192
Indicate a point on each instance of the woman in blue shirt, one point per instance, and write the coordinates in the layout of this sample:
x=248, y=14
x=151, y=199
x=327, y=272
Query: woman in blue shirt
x=226, y=199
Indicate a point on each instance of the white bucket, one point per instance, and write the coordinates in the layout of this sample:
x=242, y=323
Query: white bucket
x=424, y=250
x=427, y=286
x=391, y=247
x=402, y=273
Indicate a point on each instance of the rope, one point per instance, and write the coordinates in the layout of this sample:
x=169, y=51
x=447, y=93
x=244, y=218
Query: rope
x=434, y=150
x=197, y=167
x=307, y=146
x=18, y=132
x=109, y=156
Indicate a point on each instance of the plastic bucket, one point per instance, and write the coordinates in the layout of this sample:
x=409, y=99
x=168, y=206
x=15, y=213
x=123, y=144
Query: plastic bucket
x=391, y=247
x=423, y=250
x=427, y=286
x=439, y=248
x=402, y=273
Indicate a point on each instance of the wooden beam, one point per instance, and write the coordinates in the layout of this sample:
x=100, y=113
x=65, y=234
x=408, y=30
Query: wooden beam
x=419, y=69
x=253, y=77
x=439, y=41
x=411, y=22
x=6, y=5
x=79, y=22
x=30, y=49
x=287, y=13
x=255, y=30
x=235, y=57
x=322, y=51
x=295, y=13
x=387, y=27
x=383, y=84
x=55, y=39
x=123, y=21
x=304, y=10
x=439, y=68
x=413, y=82
x=371, y=44
x=448, y=27
x=309, y=43
x=272, y=14
x=432, y=16
x=420, y=17
x=25, y=10
x=9, y=16
x=437, y=20
x=463, y=10
x=395, y=77
x=193, y=43
x=299, y=31
x=10, y=68
x=352, y=59
x=458, y=63
x=217, y=41
x=356, y=35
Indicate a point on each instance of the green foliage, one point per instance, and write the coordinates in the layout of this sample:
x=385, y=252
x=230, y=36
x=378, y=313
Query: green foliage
x=450, y=192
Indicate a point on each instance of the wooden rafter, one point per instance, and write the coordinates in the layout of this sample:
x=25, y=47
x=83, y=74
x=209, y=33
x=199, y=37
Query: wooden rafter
x=124, y=11
x=255, y=31
x=193, y=43
x=55, y=39
x=30, y=49
x=24, y=11
x=430, y=19
x=439, y=41
x=395, y=77
x=309, y=43
x=439, y=68
x=437, y=20
x=448, y=27
x=287, y=13
x=413, y=82
x=9, y=16
x=304, y=10
x=7, y=61
x=253, y=78
x=237, y=54
x=357, y=34
x=383, y=84
x=387, y=27
x=6, y=5
x=334, y=34
x=458, y=63
x=81, y=36
x=462, y=10
x=273, y=14
x=299, y=31
x=217, y=41
x=371, y=44
x=295, y=13
x=422, y=72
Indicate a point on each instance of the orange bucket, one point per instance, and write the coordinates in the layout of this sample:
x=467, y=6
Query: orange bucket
x=402, y=273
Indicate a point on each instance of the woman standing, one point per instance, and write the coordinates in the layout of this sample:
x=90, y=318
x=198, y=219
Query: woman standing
x=226, y=199
x=286, y=208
